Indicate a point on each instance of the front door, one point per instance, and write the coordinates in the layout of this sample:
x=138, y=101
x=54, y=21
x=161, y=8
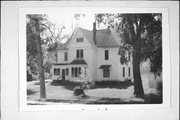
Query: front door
x=63, y=74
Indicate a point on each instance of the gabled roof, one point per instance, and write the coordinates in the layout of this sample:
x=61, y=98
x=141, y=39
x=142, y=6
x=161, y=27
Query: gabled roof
x=60, y=63
x=64, y=45
x=88, y=34
x=104, y=38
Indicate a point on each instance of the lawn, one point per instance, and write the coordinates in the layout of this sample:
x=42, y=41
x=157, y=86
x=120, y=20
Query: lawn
x=102, y=93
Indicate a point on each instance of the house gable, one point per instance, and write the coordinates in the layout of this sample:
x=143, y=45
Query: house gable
x=104, y=38
x=79, y=34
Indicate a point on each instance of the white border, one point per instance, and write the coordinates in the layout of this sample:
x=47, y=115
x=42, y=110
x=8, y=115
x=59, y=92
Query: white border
x=10, y=66
x=22, y=59
x=42, y=10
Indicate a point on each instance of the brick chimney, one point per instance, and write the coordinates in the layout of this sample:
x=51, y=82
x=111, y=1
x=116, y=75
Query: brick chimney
x=94, y=33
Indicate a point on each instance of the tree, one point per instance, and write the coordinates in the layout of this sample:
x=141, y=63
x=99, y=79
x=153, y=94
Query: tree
x=42, y=37
x=54, y=38
x=34, y=46
x=142, y=37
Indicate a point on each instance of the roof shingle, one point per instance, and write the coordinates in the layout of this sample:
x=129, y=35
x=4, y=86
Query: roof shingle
x=104, y=38
x=104, y=66
x=77, y=62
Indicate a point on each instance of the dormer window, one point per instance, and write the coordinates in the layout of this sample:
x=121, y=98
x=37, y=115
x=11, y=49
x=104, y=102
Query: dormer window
x=80, y=39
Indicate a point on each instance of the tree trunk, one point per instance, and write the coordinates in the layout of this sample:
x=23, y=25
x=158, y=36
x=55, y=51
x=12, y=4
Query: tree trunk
x=40, y=62
x=138, y=88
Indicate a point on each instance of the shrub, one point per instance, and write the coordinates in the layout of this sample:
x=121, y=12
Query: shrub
x=29, y=76
x=78, y=90
x=128, y=79
x=159, y=85
x=113, y=84
x=108, y=82
x=66, y=83
x=35, y=76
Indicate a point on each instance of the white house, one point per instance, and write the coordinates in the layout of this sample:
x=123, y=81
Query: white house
x=97, y=51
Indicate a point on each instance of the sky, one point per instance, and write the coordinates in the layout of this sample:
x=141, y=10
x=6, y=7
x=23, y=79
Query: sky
x=68, y=20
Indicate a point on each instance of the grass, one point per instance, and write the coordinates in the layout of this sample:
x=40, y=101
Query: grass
x=56, y=91
x=149, y=99
x=38, y=83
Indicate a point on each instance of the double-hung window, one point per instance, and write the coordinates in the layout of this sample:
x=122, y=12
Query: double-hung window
x=65, y=56
x=75, y=71
x=56, y=71
x=79, y=39
x=106, y=72
x=129, y=72
x=106, y=55
x=79, y=53
x=67, y=71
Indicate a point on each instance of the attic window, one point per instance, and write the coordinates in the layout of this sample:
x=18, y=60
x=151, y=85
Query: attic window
x=79, y=39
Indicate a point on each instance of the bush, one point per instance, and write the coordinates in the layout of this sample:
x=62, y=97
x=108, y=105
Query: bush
x=78, y=91
x=113, y=84
x=29, y=76
x=159, y=85
x=35, y=77
x=128, y=79
x=66, y=83
x=108, y=82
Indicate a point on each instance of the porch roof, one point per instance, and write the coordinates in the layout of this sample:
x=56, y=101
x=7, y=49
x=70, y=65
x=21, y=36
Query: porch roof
x=78, y=62
x=104, y=66
x=60, y=63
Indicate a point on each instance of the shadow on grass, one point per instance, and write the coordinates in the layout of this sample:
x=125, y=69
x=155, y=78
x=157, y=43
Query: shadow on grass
x=153, y=98
x=86, y=100
x=80, y=100
x=149, y=99
x=35, y=104
x=114, y=101
x=62, y=101
x=67, y=84
x=31, y=92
